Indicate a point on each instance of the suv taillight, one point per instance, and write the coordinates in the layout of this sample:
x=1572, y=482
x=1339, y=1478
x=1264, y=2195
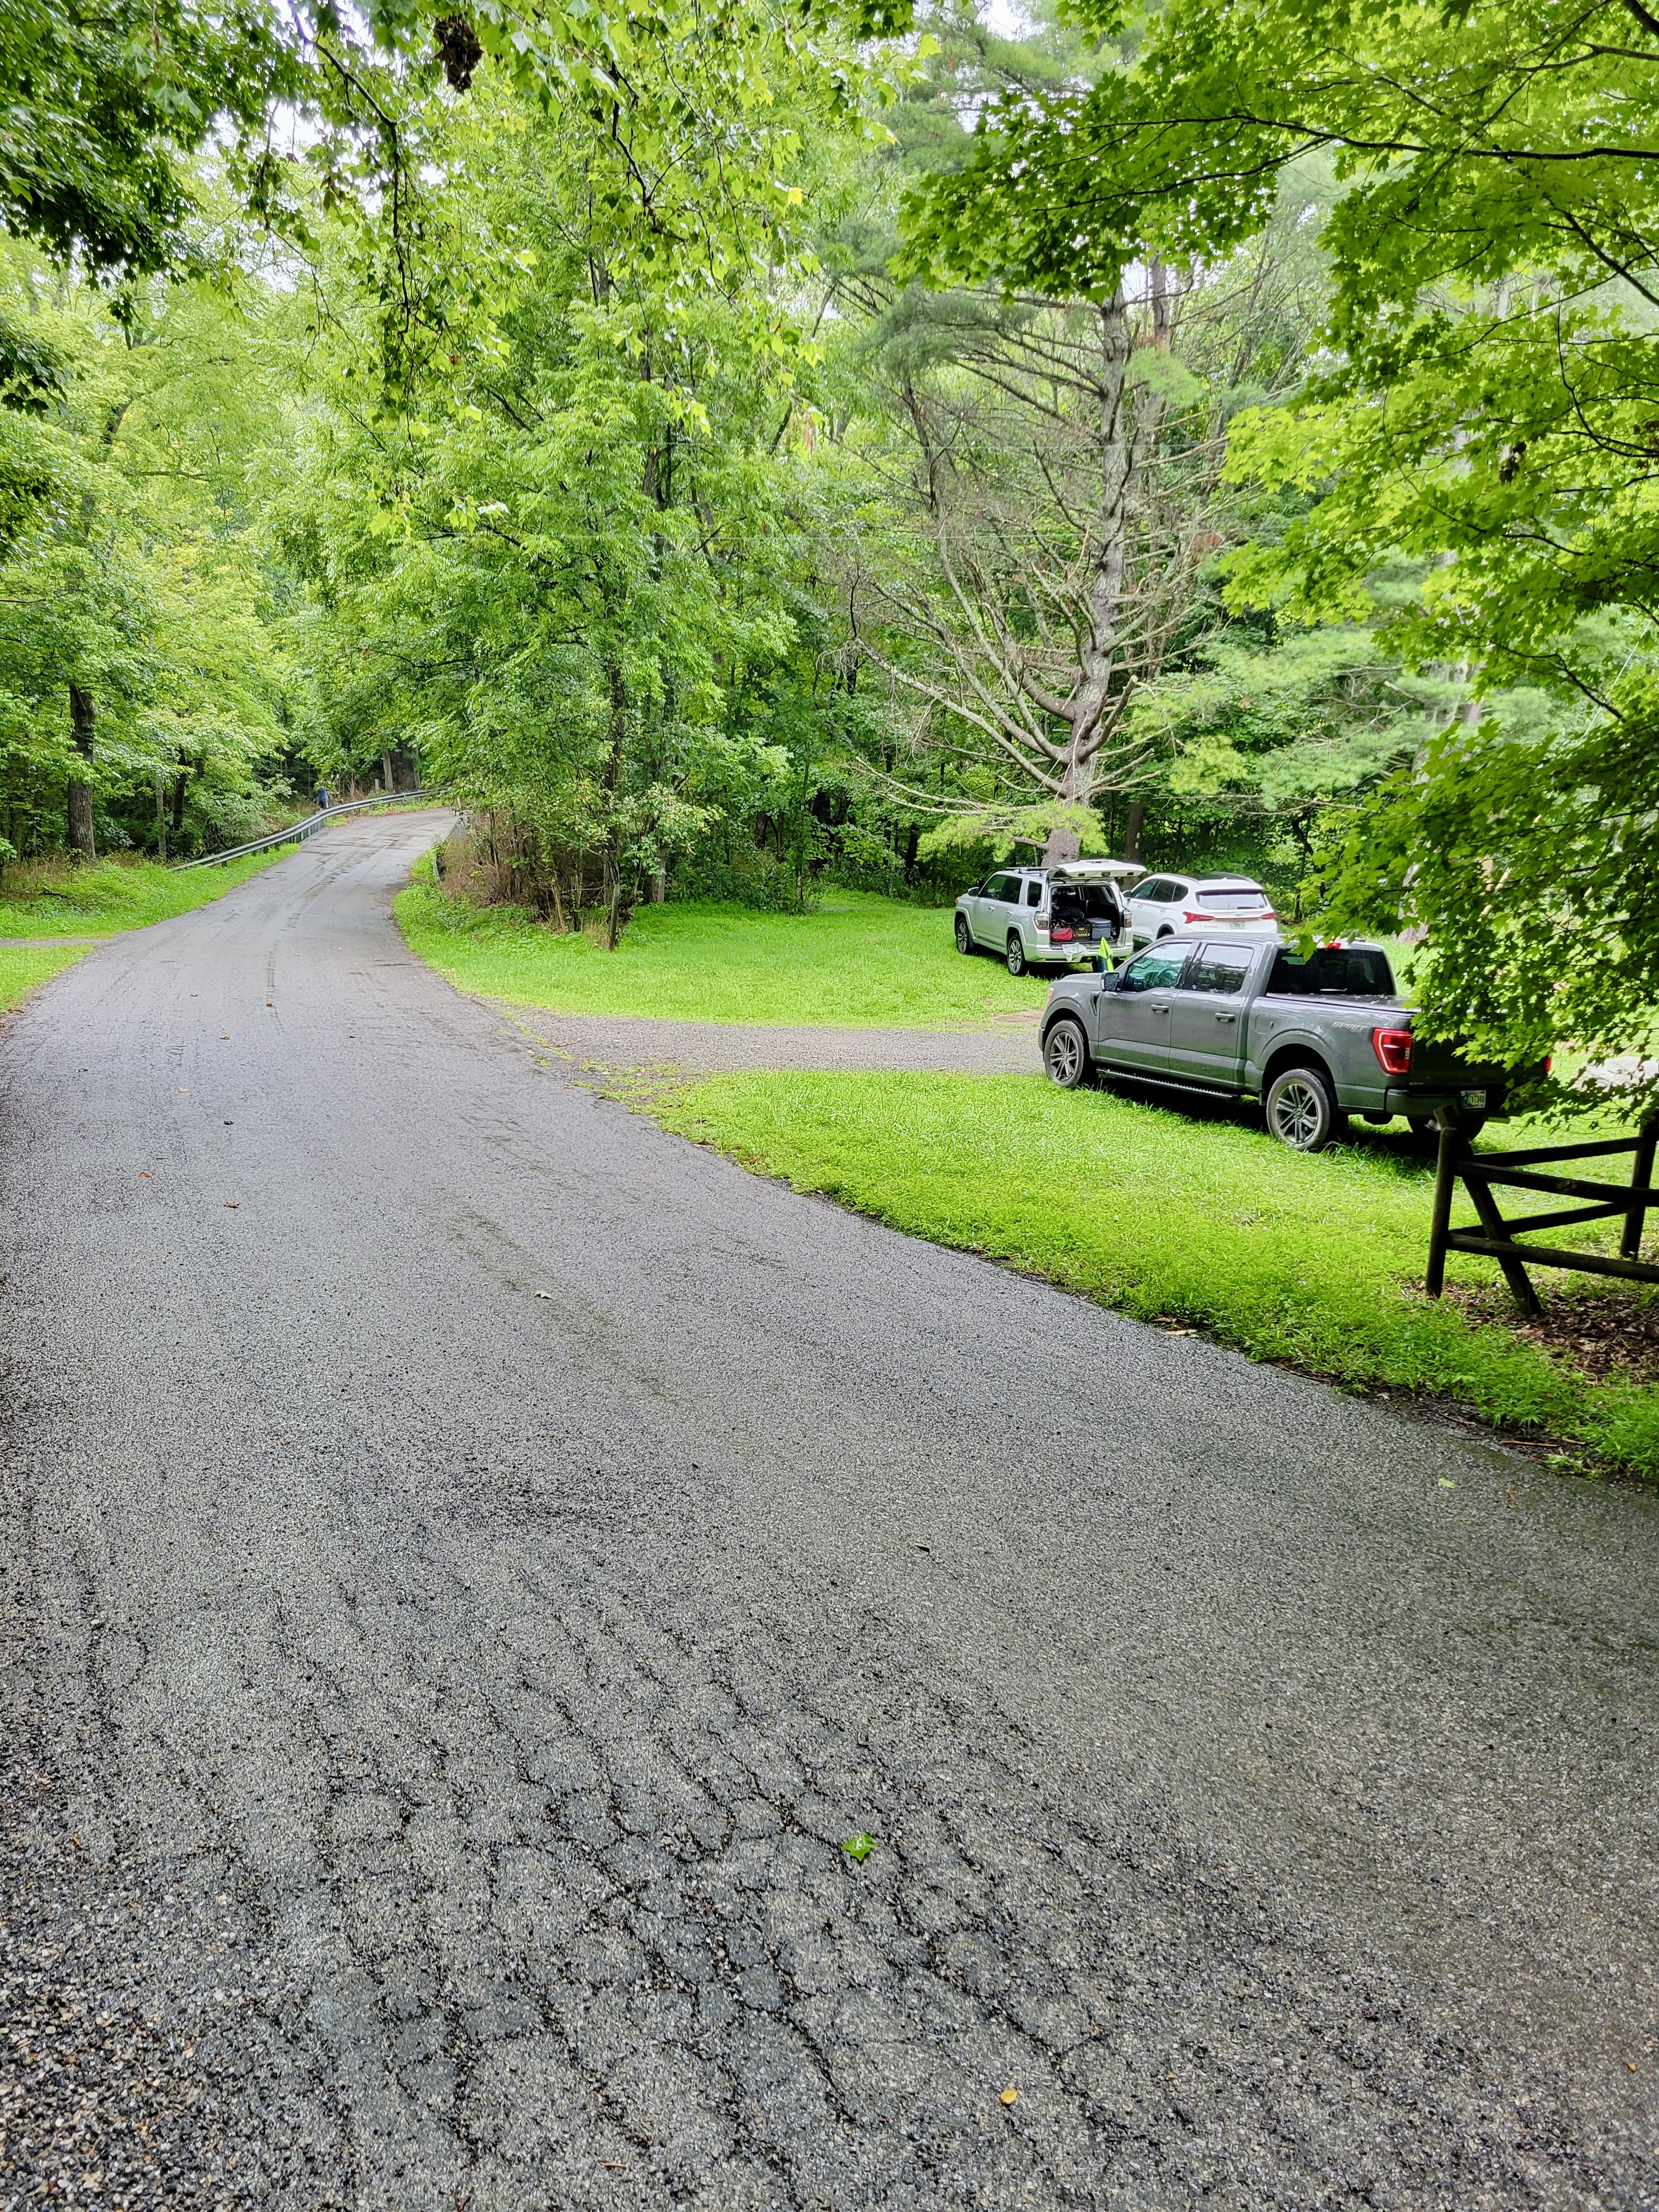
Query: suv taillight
x=1393, y=1049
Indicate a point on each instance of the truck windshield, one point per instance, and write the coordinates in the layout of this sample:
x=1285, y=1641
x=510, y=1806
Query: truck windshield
x=1333, y=972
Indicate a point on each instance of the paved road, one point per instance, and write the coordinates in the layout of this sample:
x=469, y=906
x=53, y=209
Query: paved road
x=471, y=1559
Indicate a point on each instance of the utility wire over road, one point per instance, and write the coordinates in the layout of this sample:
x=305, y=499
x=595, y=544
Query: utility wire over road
x=474, y=1562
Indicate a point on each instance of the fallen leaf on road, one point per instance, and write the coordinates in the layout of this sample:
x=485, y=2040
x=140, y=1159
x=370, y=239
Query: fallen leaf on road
x=1447, y=1484
x=1009, y=2096
x=859, y=1847
x=231, y=1205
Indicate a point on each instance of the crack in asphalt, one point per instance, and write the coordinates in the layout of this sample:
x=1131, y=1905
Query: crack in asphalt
x=457, y=1608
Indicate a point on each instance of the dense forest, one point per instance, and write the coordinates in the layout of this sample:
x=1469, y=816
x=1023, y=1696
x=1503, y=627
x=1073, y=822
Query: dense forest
x=732, y=452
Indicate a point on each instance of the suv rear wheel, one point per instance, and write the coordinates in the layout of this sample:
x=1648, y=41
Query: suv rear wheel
x=1066, y=1055
x=1016, y=953
x=1302, y=1109
x=964, y=935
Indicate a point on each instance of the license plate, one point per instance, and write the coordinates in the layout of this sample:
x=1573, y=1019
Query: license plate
x=1475, y=1099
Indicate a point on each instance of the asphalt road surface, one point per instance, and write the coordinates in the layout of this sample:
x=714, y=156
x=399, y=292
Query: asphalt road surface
x=471, y=1561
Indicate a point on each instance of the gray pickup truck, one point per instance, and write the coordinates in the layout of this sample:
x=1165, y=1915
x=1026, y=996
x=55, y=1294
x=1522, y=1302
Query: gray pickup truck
x=1315, y=1037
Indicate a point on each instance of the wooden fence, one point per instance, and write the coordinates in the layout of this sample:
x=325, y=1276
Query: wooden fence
x=1497, y=1239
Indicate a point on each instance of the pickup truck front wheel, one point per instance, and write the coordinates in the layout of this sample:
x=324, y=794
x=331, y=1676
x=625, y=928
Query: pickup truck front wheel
x=1302, y=1109
x=1066, y=1055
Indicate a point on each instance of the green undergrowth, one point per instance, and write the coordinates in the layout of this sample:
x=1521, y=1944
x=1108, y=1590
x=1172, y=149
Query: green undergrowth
x=66, y=899
x=1169, y=1216
x=858, y=962
x=24, y=966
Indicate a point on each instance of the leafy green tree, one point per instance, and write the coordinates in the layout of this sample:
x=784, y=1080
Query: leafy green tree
x=556, y=560
x=105, y=105
x=133, y=659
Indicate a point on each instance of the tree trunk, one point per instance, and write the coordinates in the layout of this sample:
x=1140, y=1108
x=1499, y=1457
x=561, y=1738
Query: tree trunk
x=1095, y=698
x=1062, y=846
x=618, y=686
x=83, y=721
x=179, y=781
x=1132, y=828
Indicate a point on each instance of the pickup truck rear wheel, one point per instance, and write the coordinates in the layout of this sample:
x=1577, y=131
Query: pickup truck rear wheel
x=964, y=935
x=1302, y=1109
x=1066, y=1055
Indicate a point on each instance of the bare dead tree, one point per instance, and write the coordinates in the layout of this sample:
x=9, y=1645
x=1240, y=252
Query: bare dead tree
x=1059, y=482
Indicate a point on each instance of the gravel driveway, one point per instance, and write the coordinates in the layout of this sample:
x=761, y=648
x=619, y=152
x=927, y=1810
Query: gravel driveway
x=471, y=1559
x=634, y=1044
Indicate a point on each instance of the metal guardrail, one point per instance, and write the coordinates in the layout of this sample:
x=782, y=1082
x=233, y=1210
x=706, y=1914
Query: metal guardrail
x=297, y=832
x=1495, y=1239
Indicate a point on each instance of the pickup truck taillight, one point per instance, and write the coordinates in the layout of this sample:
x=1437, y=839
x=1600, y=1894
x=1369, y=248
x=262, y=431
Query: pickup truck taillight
x=1393, y=1049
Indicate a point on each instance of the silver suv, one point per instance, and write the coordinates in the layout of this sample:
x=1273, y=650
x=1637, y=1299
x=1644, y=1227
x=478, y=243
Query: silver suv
x=1012, y=913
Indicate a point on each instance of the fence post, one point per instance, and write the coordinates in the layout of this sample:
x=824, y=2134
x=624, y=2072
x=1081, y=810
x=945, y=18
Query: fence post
x=1498, y=1229
x=1445, y=1184
x=1640, y=1177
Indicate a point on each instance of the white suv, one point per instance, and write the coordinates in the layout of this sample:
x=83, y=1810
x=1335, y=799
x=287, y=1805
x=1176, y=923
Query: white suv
x=1010, y=914
x=1167, y=905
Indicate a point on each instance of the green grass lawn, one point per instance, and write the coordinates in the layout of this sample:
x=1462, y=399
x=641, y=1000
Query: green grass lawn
x=1188, y=1217
x=61, y=899
x=23, y=966
x=858, y=962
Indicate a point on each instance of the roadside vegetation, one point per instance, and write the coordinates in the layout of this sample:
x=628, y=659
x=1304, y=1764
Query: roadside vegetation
x=58, y=898
x=856, y=962
x=1184, y=1217
x=22, y=967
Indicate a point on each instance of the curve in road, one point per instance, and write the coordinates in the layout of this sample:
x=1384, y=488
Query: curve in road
x=472, y=1560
